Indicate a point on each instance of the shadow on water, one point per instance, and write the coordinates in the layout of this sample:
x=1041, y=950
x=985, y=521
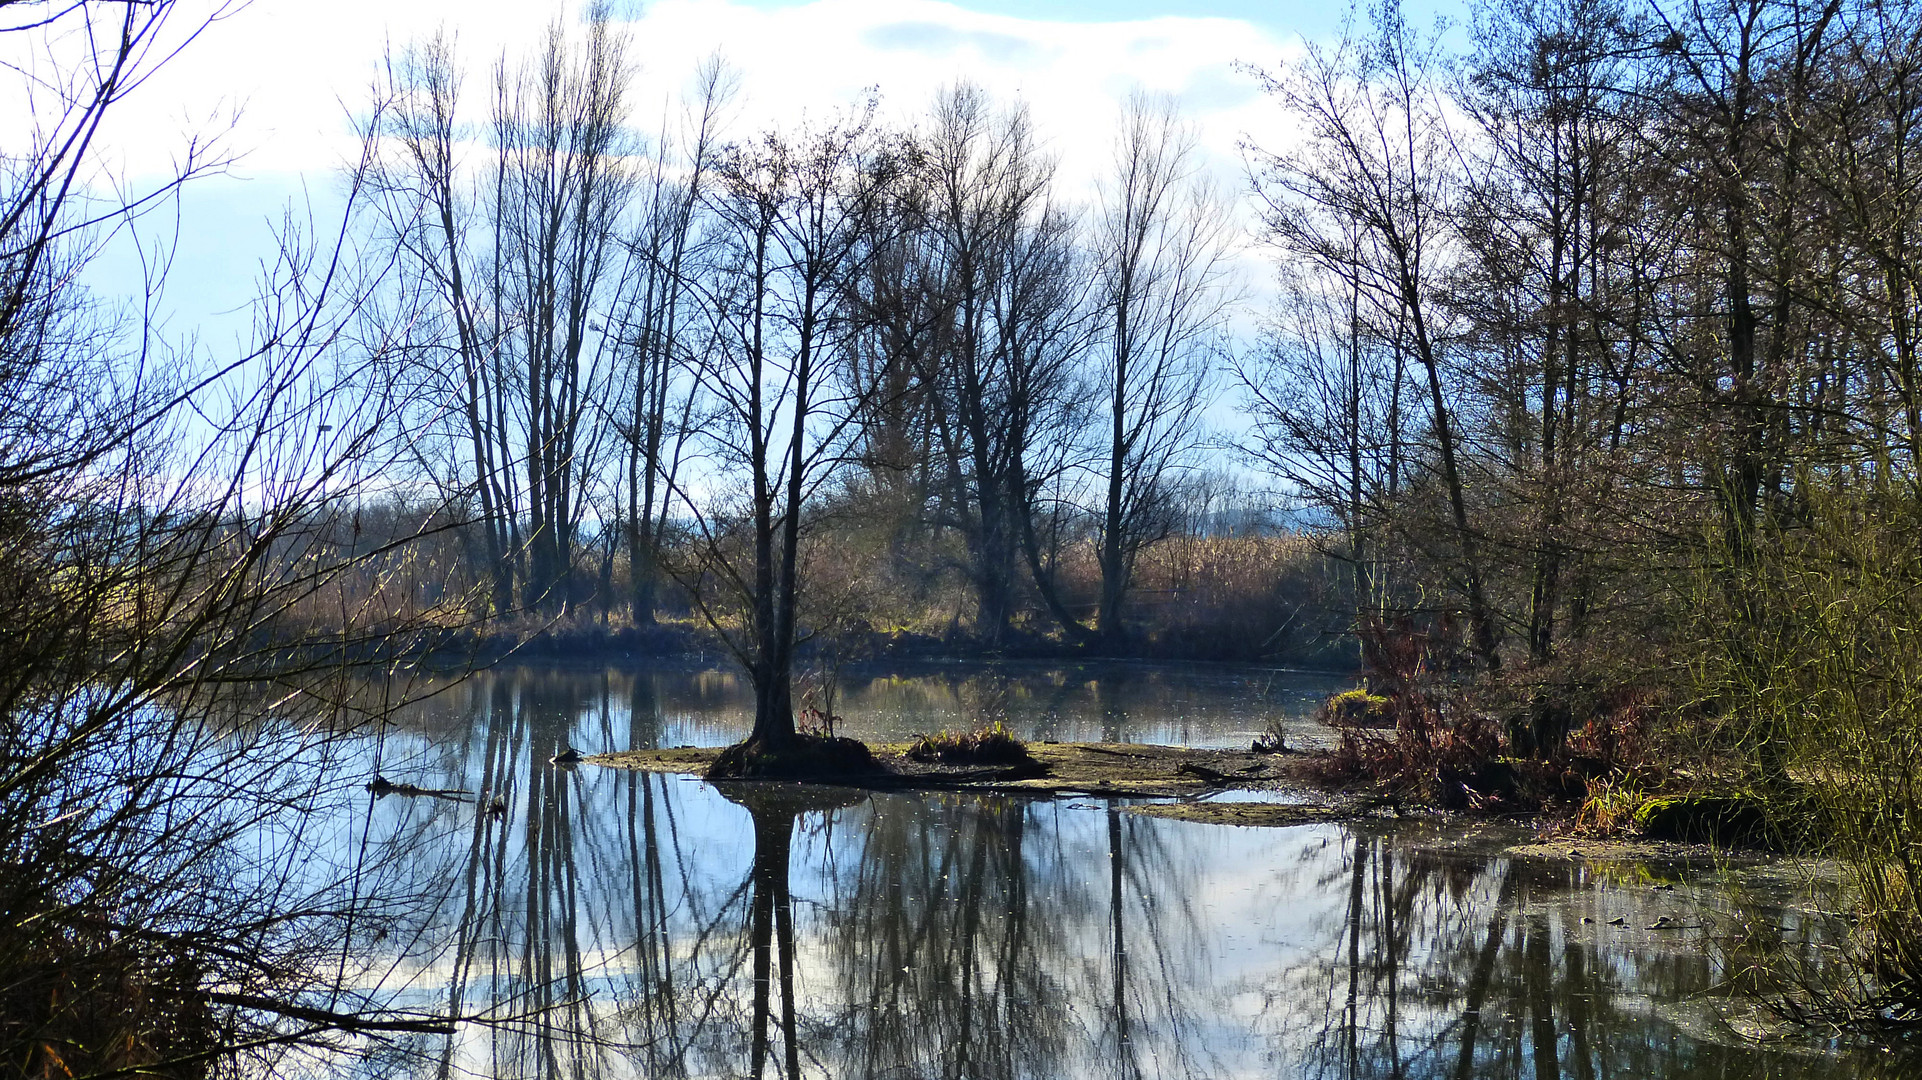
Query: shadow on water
x=620, y=924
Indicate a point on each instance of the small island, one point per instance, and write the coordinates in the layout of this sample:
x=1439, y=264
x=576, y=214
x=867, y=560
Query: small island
x=1102, y=770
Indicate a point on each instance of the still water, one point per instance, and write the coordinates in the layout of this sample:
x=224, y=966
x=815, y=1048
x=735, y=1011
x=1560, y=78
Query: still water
x=620, y=924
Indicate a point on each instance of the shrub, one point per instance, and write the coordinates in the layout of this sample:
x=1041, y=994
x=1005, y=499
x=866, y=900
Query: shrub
x=1812, y=670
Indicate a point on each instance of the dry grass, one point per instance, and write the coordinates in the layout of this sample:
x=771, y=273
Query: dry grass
x=1608, y=811
x=79, y=1000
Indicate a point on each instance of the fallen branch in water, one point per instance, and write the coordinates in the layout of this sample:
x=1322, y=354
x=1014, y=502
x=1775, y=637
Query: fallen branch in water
x=380, y=786
x=409, y=1024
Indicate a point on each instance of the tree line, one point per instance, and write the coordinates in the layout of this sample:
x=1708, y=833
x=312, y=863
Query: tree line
x=689, y=355
x=1588, y=327
x=1598, y=359
x=1579, y=327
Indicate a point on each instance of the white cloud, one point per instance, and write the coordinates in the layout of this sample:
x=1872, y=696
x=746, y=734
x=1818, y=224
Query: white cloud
x=1072, y=75
x=298, y=69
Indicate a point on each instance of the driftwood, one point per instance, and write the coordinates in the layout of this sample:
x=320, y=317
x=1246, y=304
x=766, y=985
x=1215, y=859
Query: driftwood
x=880, y=780
x=356, y=1022
x=381, y=786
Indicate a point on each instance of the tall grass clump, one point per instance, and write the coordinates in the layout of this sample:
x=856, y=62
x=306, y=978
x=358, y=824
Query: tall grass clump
x=1813, y=678
x=990, y=745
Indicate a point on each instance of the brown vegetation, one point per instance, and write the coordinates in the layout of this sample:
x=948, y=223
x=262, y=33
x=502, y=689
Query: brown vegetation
x=1422, y=734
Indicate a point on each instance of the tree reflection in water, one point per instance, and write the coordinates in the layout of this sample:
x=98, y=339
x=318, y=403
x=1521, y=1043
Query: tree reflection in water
x=626, y=924
x=1454, y=966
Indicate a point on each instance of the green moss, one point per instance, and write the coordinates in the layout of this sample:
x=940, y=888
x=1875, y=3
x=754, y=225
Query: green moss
x=1729, y=820
x=1359, y=708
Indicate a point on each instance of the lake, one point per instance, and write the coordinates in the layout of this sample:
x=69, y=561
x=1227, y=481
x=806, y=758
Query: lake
x=604, y=923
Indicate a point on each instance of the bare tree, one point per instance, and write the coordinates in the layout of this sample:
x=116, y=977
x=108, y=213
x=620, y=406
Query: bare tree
x=791, y=220
x=1325, y=393
x=173, y=551
x=431, y=214
x=1161, y=244
x=562, y=186
x=1367, y=198
x=651, y=319
x=512, y=266
x=999, y=337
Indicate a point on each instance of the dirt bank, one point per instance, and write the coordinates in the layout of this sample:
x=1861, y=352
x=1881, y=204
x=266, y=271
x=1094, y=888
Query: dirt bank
x=1112, y=770
x=1221, y=787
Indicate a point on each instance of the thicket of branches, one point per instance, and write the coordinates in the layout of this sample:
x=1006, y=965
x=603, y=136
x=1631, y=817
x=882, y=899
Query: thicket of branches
x=1600, y=349
x=184, y=582
x=1585, y=325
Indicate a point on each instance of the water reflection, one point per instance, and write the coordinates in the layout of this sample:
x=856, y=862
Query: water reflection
x=623, y=924
x=1192, y=705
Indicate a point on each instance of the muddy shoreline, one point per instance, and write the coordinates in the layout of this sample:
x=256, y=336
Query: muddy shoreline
x=1211, y=786
x=1120, y=770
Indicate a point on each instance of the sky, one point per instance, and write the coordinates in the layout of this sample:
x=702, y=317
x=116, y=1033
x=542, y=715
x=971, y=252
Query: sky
x=284, y=78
